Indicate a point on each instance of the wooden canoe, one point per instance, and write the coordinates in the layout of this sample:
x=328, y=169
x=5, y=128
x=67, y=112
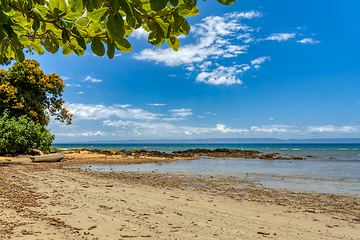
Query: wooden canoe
x=53, y=157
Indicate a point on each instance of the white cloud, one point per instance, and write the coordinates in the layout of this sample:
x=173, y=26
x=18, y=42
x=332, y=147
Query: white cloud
x=256, y=62
x=273, y=129
x=222, y=75
x=156, y=104
x=80, y=93
x=281, y=36
x=180, y=113
x=209, y=113
x=139, y=33
x=190, y=68
x=122, y=105
x=248, y=15
x=159, y=128
x=72, y=85
x=82, y=134
x=91, y=79
x=333, y=129
x=154, y=129
x=213, y=34
x=93, y=112
x=308, y=41
x=224, y=129
x=217, y=38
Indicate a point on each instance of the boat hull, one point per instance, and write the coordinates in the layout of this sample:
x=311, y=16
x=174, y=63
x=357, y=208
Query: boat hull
x=55, y=157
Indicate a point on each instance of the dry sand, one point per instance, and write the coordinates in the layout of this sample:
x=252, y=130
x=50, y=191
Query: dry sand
x=53, y=201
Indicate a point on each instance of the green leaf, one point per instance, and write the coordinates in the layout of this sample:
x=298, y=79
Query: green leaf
x=110, y=50
x=66, y=50
x=185, y=26
x=186, y=12
x=72, y=16
x=58, y=7
x=93, y=27
x=83, y=22
x=190, y=3
x=174, y=43
x=76, y=5
x=226, y=2
x=97, y=47
x=2, y=35
x=123, y=45
x=157, y=5
x=174, y=2
x=3, y=18
x=79, y=38
x=77, y=49
x=50, y=46
x=97, y=13
x=37, y=48
x=19, y=54
x=95, y=3
x=130, y=16
x=163, y=25
x=35, y=25
x=114, y=4
x=65, y=35
x=115, y=25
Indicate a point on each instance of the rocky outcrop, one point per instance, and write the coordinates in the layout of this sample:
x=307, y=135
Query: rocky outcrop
x=193, y=153
x=236, y=153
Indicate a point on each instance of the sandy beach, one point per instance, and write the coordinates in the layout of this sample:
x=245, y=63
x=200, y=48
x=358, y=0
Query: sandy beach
x=61, y=201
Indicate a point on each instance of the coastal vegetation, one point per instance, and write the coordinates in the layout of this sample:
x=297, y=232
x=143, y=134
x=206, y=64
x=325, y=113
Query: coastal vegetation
x=20, y=135
x=39, y=26
x=28, y=97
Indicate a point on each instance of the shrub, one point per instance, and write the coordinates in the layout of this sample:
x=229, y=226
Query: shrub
x=19, y=134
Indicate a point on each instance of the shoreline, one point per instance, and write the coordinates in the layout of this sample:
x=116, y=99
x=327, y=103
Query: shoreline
x=60, y=201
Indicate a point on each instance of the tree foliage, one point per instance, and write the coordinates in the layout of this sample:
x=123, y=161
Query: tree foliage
x=26, y=90
x=48, y=25
x=19, y=135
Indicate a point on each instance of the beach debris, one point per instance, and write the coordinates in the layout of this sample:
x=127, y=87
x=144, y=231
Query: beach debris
x=92, y=227
x=263, y=233
x=129, y=236
x=59, y=213
x=332, y=226
x=105, y=207
x=310, y=210
x=109, y=185
x=180, y=214
x=176, y=227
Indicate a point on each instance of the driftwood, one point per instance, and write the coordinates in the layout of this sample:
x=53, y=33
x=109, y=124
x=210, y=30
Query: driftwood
x=36, y=152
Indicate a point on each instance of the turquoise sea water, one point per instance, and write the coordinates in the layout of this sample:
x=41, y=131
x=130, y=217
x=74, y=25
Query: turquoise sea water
x=328, y=168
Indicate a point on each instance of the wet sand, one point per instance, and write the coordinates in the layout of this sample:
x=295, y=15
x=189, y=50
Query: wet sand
x=60, y=201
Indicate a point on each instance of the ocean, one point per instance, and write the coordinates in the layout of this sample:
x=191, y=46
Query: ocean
x=327, y=168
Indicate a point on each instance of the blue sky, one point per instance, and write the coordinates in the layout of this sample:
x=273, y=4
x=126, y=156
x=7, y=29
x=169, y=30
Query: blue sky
x=279, y=69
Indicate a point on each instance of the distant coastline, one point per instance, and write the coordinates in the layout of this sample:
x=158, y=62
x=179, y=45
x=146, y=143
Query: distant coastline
x=225, y=141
